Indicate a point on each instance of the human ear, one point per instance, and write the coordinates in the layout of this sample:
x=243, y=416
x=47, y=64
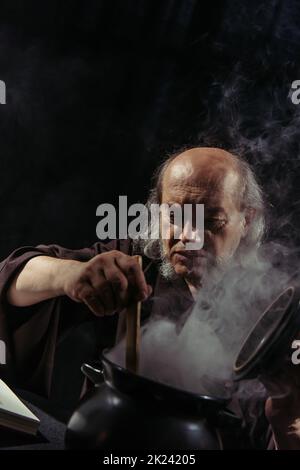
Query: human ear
x=249, y=215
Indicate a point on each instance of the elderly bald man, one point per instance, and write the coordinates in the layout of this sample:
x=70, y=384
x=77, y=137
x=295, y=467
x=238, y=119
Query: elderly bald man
x=208, y=176
x=49, y=292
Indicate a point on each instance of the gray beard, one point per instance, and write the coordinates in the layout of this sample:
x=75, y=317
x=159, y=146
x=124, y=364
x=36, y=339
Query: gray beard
x=214, y=271
x=166, y=268
x=167, y=271
x=154, y=250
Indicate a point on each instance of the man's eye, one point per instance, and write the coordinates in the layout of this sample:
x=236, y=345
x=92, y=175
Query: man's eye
x=214, y=224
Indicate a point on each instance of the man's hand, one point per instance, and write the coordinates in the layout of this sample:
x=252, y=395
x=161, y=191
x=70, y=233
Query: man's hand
x=107, y=282
x=283, y=405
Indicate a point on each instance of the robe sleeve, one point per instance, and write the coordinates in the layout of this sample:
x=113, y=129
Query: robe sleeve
x=30, y=333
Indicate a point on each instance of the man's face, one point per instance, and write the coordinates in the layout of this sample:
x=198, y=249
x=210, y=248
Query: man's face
x=213, y=183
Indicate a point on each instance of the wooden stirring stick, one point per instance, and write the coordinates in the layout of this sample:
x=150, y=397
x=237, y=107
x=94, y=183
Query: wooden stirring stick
x=133, y=320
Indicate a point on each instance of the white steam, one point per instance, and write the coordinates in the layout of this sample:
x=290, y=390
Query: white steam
x=198, y=356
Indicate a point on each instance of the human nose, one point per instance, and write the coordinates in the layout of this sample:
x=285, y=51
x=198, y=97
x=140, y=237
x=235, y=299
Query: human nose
x=192, y=237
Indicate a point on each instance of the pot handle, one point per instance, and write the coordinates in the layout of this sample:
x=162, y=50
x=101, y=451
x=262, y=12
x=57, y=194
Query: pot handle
x=93, y=373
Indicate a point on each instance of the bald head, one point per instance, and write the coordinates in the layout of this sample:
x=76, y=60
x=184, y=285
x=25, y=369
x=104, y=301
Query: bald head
x=203, y=170
x=199, y=155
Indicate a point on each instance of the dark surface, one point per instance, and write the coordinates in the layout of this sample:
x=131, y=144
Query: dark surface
x=51, y=431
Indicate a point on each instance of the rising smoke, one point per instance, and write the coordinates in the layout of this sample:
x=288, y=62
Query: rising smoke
x=198, y=354
x=251, y=114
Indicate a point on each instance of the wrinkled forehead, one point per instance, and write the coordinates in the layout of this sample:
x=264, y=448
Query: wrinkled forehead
x=210, y=184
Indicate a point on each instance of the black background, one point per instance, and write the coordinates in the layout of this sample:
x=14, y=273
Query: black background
x=99, y=91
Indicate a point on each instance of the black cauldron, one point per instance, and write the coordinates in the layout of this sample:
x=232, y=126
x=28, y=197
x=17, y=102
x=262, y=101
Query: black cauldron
x=125, y=411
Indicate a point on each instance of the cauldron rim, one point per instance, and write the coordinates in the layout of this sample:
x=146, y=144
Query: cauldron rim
x=277, y=336
x=147, y=383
